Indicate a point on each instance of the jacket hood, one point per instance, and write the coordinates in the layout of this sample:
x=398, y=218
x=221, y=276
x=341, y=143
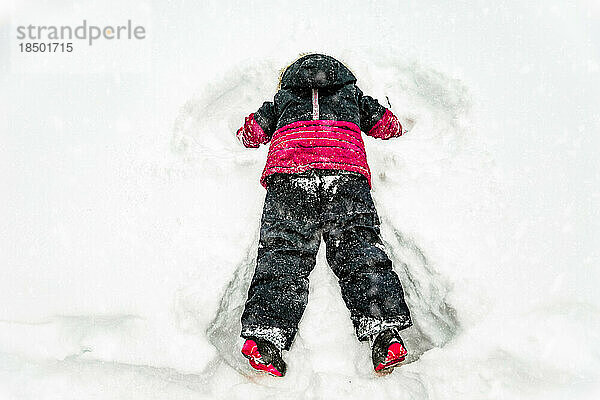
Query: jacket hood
x=316, y=71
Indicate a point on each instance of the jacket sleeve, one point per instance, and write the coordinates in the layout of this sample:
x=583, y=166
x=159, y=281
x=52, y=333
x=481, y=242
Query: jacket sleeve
x=376, y=120
x=258, y=127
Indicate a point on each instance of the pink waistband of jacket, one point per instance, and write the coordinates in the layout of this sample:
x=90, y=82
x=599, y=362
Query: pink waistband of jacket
x=317, y=144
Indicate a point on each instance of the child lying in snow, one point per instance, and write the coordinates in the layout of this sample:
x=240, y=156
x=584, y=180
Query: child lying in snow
x=318, y=184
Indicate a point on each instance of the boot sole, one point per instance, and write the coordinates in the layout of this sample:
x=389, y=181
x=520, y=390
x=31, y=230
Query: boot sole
x=388, y=367
x=269, y=369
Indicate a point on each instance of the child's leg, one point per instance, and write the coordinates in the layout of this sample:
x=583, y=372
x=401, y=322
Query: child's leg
x=289, y=241
x=370, y=288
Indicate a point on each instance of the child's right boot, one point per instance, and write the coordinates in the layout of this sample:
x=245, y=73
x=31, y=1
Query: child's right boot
x=264, y=356
x=387, y=350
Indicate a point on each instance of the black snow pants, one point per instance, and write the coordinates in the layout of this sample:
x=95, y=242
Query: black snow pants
x=298, y=210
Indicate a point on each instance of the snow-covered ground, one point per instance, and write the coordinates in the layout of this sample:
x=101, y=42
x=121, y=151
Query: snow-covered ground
x=130, y=213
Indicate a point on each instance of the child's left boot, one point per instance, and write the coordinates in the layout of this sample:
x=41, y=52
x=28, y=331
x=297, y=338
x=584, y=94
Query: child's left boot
x=264, y=356
x=387, y=350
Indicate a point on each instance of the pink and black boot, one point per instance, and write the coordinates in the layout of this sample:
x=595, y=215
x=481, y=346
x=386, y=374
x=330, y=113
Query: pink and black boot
x=264, y=356
x=387, y=350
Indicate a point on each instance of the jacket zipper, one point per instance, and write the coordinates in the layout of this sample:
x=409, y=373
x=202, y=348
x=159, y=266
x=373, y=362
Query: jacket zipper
x=315, y=104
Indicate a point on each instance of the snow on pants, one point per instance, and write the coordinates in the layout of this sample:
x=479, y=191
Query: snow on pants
x=298, y=210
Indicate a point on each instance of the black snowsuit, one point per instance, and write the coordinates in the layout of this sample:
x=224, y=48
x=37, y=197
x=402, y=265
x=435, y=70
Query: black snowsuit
x=299, y=209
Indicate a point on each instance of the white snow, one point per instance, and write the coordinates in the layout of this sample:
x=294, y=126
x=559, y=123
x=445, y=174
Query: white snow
x=130, y=213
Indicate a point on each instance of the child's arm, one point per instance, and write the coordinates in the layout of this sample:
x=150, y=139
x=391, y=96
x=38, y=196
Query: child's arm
x=258, y=127
x=376, y=120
